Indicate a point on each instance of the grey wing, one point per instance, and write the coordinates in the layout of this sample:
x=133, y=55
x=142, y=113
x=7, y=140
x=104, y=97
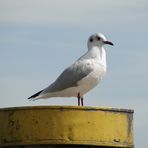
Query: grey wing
x=70, y=77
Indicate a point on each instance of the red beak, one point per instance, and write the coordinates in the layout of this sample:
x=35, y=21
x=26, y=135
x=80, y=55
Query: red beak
x=109, y=43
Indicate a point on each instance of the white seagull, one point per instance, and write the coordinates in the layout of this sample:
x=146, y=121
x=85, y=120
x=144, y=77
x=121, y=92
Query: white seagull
x=81, y=76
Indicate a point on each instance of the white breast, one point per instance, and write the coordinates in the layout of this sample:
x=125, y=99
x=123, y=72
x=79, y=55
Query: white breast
x=92, y=79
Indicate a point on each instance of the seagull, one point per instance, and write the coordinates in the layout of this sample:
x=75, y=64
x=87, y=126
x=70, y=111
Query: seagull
x=82, y=75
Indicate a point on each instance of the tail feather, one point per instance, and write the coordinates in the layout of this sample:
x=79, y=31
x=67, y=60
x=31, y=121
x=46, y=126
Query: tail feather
x=35, y=95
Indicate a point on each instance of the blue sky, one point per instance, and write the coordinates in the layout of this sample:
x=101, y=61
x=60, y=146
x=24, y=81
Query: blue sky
x=39, y=39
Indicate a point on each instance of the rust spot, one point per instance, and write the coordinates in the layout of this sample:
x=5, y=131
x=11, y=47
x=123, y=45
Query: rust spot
x=116, y=140
x=11, y=123
x=17, y=125
x=36, y=121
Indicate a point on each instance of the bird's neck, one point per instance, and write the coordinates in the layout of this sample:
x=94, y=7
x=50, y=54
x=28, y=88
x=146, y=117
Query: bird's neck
x=99, y=54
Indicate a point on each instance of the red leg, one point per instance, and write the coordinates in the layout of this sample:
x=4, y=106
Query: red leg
x=79, y=98
x=82, y=104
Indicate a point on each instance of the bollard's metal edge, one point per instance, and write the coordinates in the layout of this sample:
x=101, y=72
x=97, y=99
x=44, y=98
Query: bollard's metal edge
x=69, y=131
x=70, y=107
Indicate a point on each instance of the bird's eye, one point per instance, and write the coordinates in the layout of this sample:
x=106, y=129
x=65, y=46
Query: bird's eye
x=98, y=38
x=91, y=39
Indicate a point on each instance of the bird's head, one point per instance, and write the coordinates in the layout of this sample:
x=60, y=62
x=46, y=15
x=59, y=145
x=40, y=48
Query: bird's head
x=97, y=39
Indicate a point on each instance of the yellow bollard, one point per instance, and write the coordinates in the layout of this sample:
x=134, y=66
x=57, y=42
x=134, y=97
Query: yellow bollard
x=65, y=126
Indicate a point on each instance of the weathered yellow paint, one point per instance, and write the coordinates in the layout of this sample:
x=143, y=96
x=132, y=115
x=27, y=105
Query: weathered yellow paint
x=66, y=125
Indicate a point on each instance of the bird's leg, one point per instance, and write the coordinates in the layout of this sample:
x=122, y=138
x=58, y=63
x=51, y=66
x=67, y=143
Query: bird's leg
x=79, y=98
x=82, y=104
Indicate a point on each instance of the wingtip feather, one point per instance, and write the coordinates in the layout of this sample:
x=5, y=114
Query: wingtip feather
x=33, y=97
